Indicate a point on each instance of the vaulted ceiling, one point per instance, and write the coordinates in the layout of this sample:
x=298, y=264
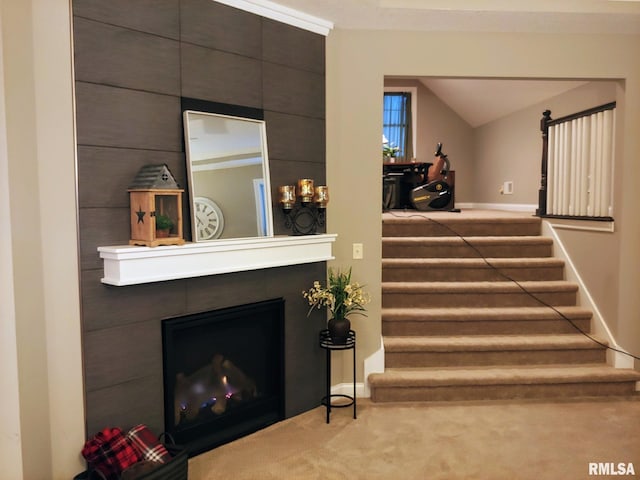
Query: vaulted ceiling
x=479, y=101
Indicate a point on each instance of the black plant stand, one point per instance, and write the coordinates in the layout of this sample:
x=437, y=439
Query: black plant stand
x=327, y=343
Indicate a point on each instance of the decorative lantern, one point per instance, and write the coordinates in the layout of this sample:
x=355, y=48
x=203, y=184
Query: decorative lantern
x=155, y=201
x=305, y=190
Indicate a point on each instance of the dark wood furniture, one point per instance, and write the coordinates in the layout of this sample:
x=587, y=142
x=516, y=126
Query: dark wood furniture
x=398, y=179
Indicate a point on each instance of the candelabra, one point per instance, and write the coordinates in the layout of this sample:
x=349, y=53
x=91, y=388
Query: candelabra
x=305, y=212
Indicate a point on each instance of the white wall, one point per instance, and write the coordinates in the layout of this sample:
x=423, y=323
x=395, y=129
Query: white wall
x=510, y=148
x=36, y=56
x=10, y=439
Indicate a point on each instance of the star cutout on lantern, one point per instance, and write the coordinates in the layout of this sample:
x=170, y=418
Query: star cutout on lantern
x=140, y=214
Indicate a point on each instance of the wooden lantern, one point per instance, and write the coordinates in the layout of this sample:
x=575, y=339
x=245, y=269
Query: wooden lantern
x=155, y=199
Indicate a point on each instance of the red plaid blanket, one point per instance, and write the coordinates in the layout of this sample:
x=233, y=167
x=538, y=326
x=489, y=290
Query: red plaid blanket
x=110, y=452
x=147, y=444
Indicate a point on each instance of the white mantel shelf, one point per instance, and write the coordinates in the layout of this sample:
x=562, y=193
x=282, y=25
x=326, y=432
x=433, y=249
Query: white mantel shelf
x=132, y=265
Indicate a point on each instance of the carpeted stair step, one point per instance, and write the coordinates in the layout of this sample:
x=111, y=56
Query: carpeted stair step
x=471, y=269
x=468, y=247
x=413, y=224
x=476, y=350
x=454, y=328
x=484, y=321
x=477, y=294
x=483, y=383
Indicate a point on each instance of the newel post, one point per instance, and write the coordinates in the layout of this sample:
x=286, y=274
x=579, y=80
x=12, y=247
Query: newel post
x=542, y=192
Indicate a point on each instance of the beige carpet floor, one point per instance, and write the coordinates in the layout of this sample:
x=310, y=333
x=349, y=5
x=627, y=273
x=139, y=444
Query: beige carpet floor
x=500, y=440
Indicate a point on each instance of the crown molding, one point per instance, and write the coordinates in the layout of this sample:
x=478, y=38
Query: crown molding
x=282, y=14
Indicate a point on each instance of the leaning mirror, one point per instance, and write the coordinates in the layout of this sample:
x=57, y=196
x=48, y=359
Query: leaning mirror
x=228, y=174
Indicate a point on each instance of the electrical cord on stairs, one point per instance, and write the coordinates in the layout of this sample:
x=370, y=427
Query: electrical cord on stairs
x=516, y=282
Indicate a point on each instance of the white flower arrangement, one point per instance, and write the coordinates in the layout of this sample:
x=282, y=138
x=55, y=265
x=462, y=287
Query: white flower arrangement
x=341, y=296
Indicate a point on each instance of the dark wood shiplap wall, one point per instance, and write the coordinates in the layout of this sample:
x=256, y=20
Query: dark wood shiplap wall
x=134, y=59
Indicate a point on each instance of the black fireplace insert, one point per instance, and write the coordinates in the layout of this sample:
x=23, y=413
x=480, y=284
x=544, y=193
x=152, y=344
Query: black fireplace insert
x=223, y=373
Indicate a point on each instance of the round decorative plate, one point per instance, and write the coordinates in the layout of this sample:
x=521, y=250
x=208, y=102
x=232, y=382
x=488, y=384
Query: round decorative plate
x=208, y=218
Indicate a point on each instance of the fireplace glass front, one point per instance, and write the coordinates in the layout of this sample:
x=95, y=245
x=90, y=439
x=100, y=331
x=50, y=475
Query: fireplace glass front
x=223, y=373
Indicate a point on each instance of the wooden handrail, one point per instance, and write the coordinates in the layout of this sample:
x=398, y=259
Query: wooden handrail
x=584, y=113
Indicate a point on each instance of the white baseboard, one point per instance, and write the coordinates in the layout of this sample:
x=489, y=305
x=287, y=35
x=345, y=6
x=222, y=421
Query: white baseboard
x=347, y=389
x=510, y=207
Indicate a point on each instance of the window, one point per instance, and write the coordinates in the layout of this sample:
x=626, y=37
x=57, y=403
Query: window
x=397, y=123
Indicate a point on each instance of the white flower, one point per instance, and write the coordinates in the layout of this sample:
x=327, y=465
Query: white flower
x=341, y=296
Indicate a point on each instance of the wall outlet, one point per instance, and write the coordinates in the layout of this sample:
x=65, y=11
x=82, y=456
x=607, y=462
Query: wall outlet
x=507, y=188
x=358, y=251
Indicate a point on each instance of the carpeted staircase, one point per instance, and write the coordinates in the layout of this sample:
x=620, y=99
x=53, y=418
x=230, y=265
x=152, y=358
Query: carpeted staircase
x=456, y=327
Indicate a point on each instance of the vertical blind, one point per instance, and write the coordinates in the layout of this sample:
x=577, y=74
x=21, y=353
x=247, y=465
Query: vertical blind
x=580, y=166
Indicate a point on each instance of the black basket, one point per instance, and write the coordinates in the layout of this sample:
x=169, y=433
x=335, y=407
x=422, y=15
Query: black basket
x=175, y=469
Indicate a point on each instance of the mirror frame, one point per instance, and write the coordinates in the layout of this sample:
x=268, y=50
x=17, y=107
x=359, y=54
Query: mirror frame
x=267, y=207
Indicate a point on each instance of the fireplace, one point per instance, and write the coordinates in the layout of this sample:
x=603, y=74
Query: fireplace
x=223, y=373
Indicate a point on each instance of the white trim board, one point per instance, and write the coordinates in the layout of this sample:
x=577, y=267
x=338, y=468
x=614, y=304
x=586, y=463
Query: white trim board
x=374, y=363
x=510, y=207
x=584, y=225
x=132, y=265
x=292, y=17
x=617, y=359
